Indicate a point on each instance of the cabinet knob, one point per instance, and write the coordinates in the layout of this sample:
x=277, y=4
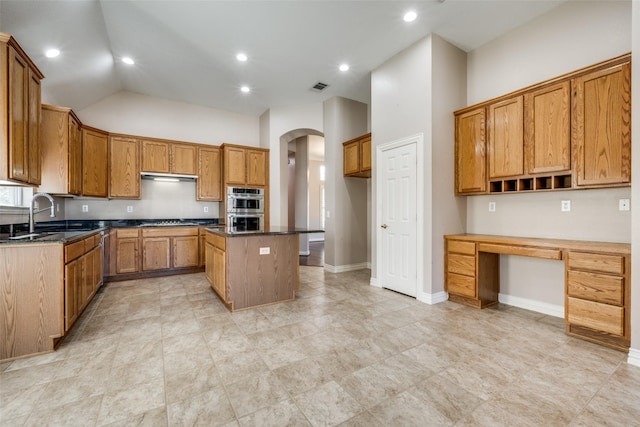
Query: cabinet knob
x=384, y=226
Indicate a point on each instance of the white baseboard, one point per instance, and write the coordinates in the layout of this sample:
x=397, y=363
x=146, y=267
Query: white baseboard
x=305, y=253
x=529, y=304
x=343, y=268
x=634, y=357
x=432, y=298
x=374, y=282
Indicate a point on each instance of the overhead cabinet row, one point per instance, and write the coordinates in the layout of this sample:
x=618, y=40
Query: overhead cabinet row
x=566, y=133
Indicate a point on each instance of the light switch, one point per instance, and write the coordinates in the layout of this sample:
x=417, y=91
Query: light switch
x=624, y=204
x=85, y=208
x=565, y=206
x=492, y=206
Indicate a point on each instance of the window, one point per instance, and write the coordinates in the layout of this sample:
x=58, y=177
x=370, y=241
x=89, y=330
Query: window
x=15, y=196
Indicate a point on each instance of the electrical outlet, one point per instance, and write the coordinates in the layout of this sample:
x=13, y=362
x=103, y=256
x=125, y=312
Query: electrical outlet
x=492, y=206
x=565, y=206
x=624, y=204
x=129, y=209
x=85, y=208
x=265, y=251
x=206, y=209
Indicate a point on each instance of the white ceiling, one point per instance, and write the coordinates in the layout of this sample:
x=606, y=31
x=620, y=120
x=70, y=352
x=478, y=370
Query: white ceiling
x=185, y=50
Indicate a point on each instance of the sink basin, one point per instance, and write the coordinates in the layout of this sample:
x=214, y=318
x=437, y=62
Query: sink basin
x=26, y=236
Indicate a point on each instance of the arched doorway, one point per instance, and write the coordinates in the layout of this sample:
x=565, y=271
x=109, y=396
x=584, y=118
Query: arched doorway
x=304, y=151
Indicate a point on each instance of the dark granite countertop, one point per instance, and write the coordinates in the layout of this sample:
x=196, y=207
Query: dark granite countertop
x=67, y=231
x=272, y=230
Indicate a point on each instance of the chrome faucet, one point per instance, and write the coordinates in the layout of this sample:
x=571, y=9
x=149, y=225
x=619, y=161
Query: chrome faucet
x=33, y=212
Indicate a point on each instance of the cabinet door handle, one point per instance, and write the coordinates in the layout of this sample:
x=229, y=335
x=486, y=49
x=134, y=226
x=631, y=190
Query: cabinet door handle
x=384, y=226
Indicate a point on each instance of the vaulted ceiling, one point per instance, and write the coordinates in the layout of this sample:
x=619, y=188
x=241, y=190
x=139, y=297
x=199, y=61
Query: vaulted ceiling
x=186, y=50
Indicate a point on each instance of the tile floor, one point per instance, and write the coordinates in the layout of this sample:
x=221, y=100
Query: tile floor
x=165, y=351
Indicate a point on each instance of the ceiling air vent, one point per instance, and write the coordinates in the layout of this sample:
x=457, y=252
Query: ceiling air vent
x=319, y=87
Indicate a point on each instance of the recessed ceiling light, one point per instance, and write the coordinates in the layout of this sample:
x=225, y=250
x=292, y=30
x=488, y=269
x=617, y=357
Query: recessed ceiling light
x=241, y=57
x=128, y=60
x=344, y=67
x=245, y=89
x=410, y=16
x=52, y=53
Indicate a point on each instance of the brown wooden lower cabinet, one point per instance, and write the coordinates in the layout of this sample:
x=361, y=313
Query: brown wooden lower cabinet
x=83, y=276
x=597, y=287
x=144, y=252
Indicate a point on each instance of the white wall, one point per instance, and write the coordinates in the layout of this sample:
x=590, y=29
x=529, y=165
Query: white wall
x=273, y=124
x=346, y=198
x=135, y=114
x=416, y=92
x=634, y=353
x=574, y=35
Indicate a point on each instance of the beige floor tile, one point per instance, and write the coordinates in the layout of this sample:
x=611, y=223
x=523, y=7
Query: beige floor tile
x=254, y=393
x=284, y=413
x=327, y=405
x=153, y=418
x=128, y=403
x=165, y=351
x=407, y=410
x=182, y=385
x=211, y=408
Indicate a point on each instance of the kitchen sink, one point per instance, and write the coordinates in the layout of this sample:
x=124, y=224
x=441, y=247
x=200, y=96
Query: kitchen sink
x=26, y=236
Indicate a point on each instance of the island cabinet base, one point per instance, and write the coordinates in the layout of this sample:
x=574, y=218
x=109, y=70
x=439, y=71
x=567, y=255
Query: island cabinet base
x=253, y=270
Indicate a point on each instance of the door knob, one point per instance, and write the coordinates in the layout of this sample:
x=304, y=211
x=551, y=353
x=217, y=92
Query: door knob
x=384, y=226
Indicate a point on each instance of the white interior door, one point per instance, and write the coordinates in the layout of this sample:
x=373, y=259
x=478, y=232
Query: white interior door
x=398, y=222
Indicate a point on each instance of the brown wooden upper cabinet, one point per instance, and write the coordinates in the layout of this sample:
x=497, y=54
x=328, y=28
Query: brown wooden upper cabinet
x=168, y=157
x=124, y=167
x=602, y=126
x=570, y=132
x=245, y=166
x=470, y=140
x=506, y=148
x=209, y=185
x=357, y=157
x=94, y=162
x=20, y=120
x=547, y=137
x=61, y=147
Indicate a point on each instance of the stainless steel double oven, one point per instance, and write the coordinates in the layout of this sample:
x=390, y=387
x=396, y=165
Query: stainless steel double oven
x=245, y=208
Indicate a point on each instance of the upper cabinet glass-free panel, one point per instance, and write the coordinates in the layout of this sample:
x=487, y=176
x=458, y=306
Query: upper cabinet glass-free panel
x=602, y=126
x=548, y=129
x=506, y=153
x=470, y=172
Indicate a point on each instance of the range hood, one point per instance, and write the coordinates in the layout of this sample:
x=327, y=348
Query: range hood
x=169, y=177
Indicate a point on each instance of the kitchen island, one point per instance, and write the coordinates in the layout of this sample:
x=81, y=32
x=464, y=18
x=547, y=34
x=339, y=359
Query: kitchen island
x=253, y=268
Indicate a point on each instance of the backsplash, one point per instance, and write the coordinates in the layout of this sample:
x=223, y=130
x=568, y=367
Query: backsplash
x=159, y=200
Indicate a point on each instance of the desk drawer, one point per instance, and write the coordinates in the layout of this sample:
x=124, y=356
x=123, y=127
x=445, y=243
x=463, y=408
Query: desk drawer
x=468, y=248
x=596, y=287
x=461, y=264
x=461, y=285
x=596, y=262
x=594, y=315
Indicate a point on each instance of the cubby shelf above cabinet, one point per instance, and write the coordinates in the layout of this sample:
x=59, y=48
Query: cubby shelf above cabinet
x=570, y=132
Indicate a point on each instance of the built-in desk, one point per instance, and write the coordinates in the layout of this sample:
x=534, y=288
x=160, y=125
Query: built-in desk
x=597, y=279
